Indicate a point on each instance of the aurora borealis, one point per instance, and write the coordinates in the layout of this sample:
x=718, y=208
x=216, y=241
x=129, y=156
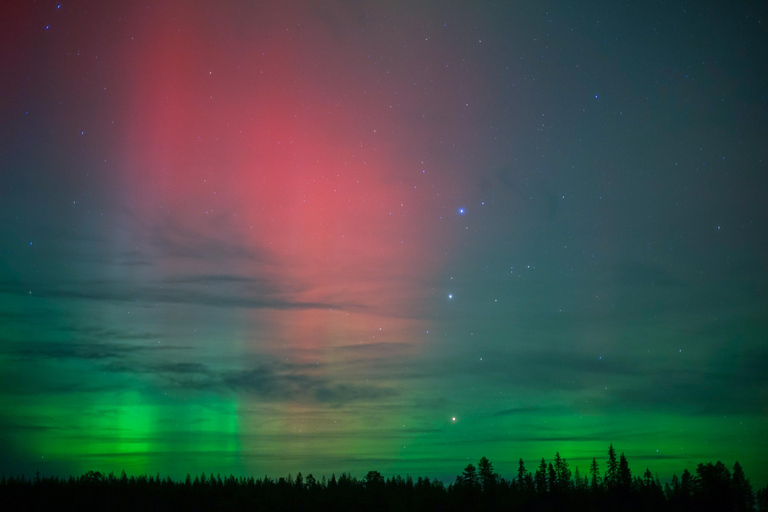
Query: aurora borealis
x=257, y=237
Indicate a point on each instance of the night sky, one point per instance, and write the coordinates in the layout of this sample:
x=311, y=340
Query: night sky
x=322, y=236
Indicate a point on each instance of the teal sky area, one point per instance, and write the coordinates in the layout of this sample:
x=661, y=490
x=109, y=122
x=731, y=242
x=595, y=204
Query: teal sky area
x=323, y=237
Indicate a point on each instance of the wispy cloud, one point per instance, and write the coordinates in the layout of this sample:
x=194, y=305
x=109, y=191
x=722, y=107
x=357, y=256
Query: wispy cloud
x=211, y=291
x=36, y=350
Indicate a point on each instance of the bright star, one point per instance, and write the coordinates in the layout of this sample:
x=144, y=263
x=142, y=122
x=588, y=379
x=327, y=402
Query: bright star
x=461, y=211
x=450, y=295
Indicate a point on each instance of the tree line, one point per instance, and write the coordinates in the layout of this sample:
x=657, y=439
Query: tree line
x=552, y=486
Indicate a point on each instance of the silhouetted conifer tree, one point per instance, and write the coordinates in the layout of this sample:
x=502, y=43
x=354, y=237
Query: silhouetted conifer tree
x=541, y=478
x=686, y=484
x=714, y=486
x=488, y=478
x=470, y=476
x=552, y=478
x=743, y=498
x=612, y=470
x=374, y=480
x=562, y=473
x=521, y=472
x=648, y=479
x=762, y=499
x=594, y=470
x=624, y=478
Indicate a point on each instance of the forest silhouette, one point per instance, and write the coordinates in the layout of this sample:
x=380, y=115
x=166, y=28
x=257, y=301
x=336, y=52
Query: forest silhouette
x=552, y=486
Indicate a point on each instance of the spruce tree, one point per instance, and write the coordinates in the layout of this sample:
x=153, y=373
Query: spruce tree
x=594, y=470
x=562, y=472
x=743, y=497
x=552, y=479
x=541, y=478
x=612, y=471
x=521, y=472
x=625, y=475
x=487, y=476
